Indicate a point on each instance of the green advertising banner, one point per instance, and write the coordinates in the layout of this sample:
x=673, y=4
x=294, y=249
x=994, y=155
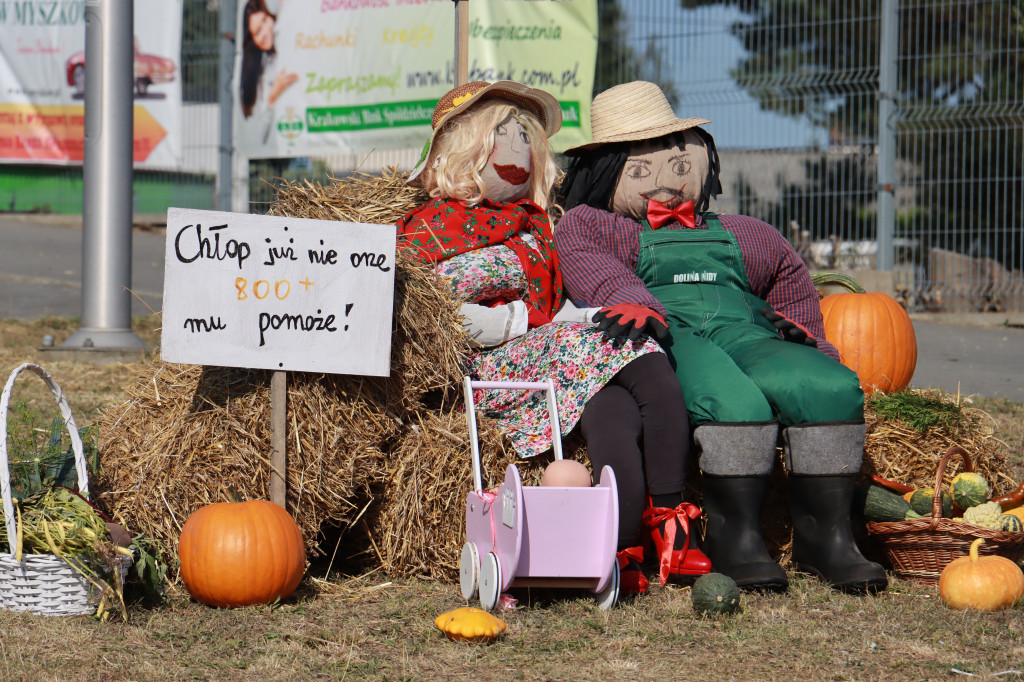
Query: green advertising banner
x=317, y=77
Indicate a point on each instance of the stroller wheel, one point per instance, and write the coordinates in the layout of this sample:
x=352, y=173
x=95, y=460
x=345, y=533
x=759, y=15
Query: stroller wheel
x=608, y=597
x=490, y=582
x=469, y=570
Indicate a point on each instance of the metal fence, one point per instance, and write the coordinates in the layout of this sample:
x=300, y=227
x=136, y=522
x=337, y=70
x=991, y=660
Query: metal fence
x=793, y=90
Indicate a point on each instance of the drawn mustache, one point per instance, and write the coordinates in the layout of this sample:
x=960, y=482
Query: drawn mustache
x=673, y=197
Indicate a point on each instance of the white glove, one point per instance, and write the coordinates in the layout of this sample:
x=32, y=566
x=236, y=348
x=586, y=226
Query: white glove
x=570, y=313
x=489, y=327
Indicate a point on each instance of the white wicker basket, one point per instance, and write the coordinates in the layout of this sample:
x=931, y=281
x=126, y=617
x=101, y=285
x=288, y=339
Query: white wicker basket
x=41, y=583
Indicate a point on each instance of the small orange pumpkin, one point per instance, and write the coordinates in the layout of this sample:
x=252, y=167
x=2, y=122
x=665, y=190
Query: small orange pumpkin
x=873, y=333
x=986, y=583
x=241, y=553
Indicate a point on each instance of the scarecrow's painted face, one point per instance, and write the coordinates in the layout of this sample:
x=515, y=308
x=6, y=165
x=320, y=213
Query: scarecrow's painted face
x=506, y=174
x=669, y=170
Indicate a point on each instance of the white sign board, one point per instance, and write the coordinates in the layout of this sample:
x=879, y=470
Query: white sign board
x=268, y=292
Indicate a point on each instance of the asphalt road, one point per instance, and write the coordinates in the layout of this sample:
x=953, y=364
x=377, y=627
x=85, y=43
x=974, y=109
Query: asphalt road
x=982, y=361
x=41, y=270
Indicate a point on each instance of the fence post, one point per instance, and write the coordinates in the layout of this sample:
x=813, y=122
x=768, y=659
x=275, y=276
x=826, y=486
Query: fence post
x=225, y=101
x=888, y=77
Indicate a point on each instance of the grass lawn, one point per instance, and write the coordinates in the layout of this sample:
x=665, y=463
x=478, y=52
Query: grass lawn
x=353, y=627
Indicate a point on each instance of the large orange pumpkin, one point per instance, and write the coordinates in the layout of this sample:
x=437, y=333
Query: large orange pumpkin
x=981, y=583
x=241, y=553
x=874, y=336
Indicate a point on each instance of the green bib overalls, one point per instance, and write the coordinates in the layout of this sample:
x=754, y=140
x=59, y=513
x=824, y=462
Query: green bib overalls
x=731, y=362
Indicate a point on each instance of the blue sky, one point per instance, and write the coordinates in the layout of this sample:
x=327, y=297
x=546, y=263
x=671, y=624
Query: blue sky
x=705, y=53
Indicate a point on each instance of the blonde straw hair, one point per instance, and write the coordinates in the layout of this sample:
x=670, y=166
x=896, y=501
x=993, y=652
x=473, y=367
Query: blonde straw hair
x=464, y=144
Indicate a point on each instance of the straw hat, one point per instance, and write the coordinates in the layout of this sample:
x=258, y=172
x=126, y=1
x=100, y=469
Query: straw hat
x=630, y=112
x=459, y=100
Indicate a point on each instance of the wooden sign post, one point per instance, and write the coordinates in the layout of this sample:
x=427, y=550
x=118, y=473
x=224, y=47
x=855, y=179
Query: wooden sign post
x=278, y=437
x=278, y=293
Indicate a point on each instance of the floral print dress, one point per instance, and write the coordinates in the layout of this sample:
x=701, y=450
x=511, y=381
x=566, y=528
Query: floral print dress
x=572, y=354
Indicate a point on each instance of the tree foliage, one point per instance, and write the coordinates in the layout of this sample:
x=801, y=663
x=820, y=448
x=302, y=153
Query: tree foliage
x=618, y=58
x=960, y=121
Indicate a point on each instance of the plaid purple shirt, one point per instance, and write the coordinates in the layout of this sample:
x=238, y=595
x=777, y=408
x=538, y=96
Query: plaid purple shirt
x=597, y=253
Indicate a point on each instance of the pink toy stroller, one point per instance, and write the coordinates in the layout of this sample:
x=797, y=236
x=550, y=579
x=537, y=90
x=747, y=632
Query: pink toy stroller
x=532, y=536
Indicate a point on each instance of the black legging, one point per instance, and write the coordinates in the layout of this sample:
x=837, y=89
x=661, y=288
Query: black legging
x=643, y=403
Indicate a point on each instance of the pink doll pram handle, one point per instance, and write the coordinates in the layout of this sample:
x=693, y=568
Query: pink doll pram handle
x=468, y=386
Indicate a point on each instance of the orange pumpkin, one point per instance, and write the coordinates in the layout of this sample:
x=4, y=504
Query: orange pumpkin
x=986, y=583
x=874, y=336
x=241, y=553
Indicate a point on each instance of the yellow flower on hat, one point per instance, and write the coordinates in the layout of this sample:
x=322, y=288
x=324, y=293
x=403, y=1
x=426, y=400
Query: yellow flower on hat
x=462, y=98
x=459, y=101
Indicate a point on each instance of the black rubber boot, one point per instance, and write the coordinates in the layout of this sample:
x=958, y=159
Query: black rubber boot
x=733, y=542
x=823, y=543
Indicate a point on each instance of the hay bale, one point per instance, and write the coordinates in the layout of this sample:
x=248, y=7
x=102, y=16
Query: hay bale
x=189, y=436
x=899, y=450
x=385, y=459
x=185, y=435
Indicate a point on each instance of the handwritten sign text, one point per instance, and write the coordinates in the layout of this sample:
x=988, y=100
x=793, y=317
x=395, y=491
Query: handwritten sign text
x=278, y=293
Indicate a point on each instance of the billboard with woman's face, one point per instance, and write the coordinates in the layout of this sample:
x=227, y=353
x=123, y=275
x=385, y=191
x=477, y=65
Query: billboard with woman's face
x=351, y=76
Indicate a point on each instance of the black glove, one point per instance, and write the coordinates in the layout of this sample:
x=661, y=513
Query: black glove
x=631, y=320
x=790, y=330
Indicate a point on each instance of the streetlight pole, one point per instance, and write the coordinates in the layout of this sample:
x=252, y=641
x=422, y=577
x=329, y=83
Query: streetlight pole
x=107, y=181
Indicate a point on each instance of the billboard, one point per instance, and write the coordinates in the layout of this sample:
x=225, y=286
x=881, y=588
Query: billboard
x=351, y=76
x=42, y=82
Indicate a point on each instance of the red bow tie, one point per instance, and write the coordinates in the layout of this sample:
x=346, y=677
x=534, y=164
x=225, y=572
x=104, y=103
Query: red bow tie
x=660, y=214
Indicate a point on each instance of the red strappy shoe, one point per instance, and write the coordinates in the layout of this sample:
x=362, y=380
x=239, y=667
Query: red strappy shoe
x=665, y=524
x=631, y=578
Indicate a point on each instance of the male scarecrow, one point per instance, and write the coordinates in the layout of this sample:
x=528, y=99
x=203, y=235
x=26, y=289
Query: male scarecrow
x=745, y=334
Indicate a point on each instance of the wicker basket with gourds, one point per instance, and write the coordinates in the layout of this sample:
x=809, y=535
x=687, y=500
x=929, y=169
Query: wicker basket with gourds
x=921, y=545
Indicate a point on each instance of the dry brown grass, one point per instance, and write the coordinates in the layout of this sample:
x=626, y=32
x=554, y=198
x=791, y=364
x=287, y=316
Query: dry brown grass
x=89, y=388
x=366, y=626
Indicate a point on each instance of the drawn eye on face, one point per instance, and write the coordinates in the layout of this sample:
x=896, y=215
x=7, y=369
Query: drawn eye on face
x=637, y=170
x=524, y=137
x=680, y=165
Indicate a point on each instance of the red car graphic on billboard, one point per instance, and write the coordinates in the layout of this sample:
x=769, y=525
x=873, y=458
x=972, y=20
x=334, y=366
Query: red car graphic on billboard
x=149, y=69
